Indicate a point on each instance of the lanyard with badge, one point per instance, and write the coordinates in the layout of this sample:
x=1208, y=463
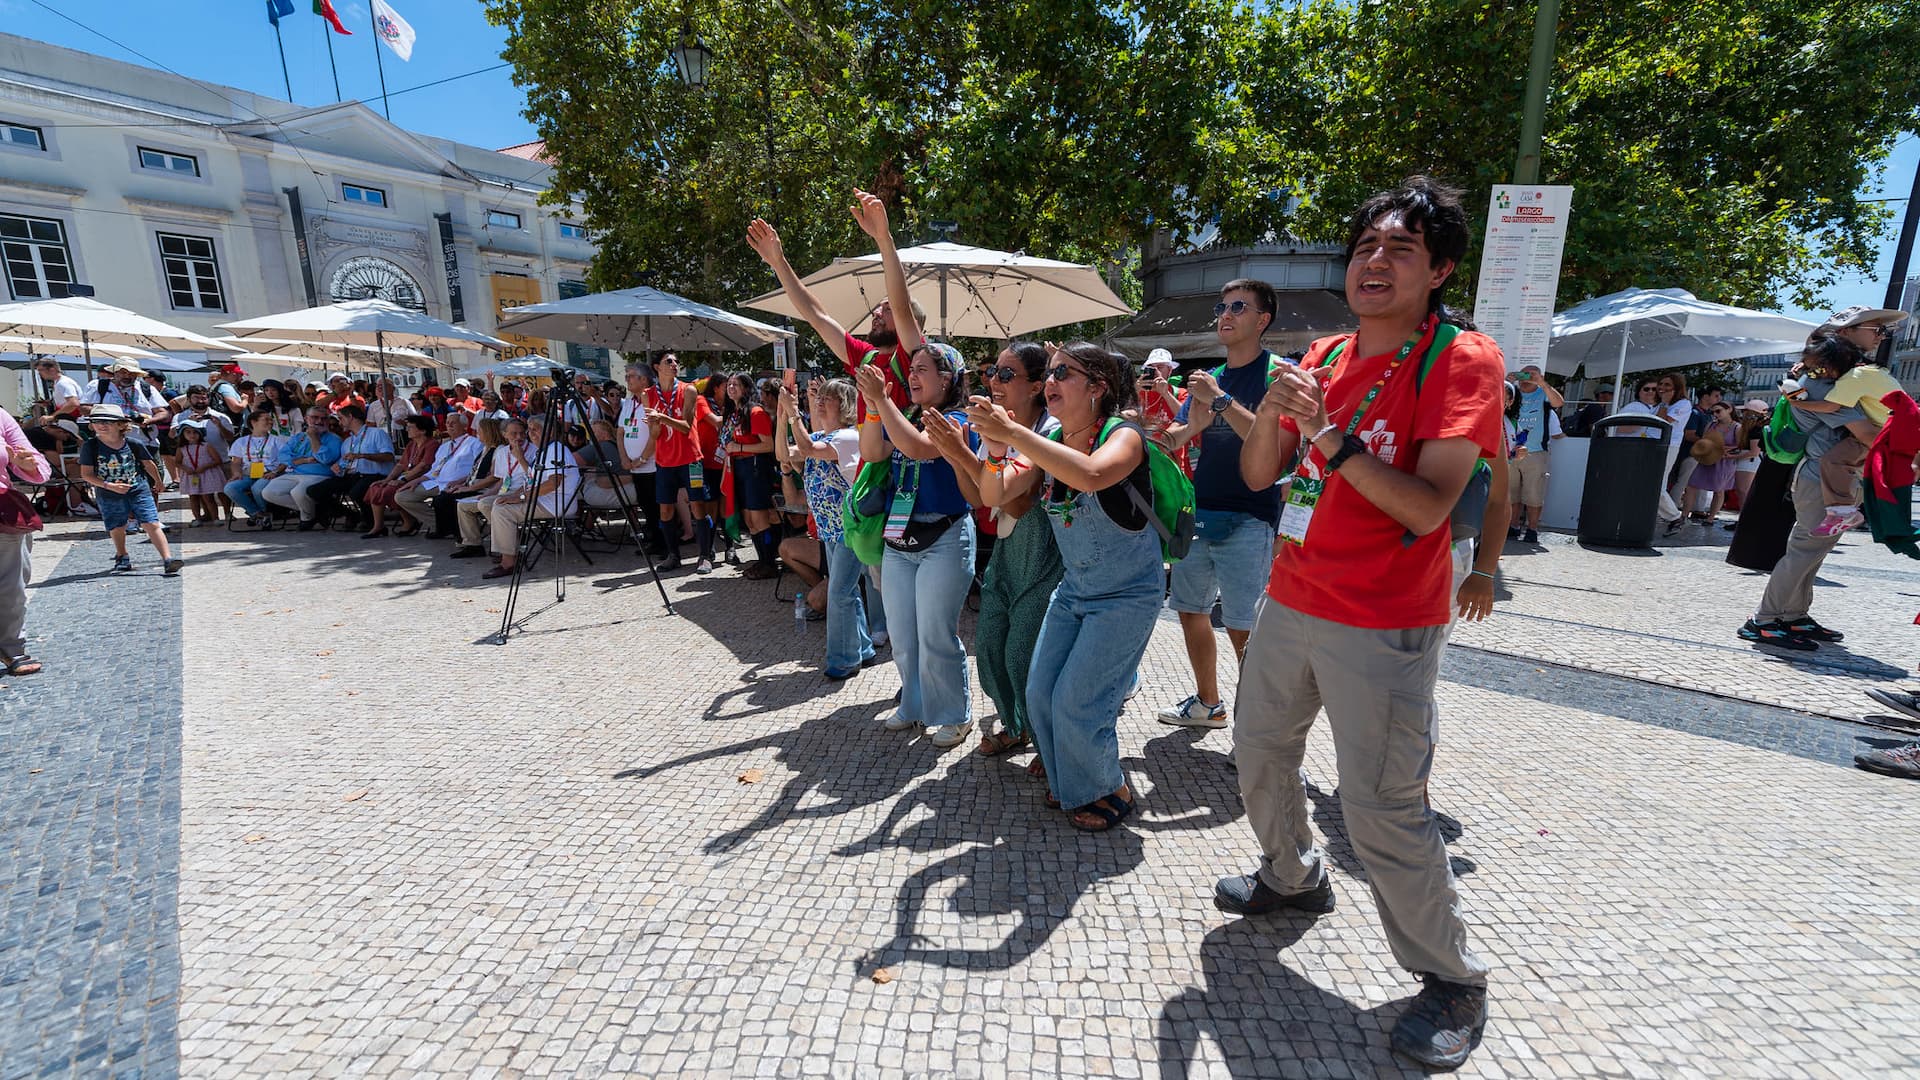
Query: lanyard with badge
x=1305, y=491
x=900, y=513
x=256, y=455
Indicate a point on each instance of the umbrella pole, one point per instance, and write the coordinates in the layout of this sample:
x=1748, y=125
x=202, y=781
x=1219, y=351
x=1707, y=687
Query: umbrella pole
x=380, y=350
x=1620, y=369
x=943, y=303
x=86, y=351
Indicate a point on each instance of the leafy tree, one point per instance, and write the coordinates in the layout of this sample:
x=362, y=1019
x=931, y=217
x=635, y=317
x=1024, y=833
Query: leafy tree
x=1714, y=145
x=1062, y=127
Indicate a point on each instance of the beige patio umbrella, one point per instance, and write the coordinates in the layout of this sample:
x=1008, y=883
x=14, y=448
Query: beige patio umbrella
x=976, y=292
x=98, y=324
x=347, y=358
x=32, y=346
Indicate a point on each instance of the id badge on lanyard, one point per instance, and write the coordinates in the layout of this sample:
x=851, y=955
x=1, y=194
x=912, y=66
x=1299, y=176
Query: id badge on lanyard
x=900, y=512
x=1303, y=495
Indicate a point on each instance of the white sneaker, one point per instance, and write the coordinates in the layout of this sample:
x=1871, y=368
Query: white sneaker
x=1133, y=688
x=951, y=735
x=85, y=510
x=1191, y=713
x=897, y=721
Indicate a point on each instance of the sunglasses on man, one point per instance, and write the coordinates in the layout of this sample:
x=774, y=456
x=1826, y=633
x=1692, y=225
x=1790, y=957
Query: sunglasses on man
x=1238, y=307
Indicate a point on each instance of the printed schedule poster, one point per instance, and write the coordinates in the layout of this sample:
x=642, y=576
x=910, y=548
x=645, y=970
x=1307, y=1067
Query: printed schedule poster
x=1520, y=269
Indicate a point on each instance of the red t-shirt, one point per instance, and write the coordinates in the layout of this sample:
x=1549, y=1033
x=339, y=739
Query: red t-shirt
x=676, y=448
x=857, y=351
x=706, y=432
x=1160, y=416
x=759, y=426
x=335, y=404
x=1356, y=567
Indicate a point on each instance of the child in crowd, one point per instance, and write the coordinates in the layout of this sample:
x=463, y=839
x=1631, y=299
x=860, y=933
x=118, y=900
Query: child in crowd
x=124, y=474
x=203, y=472
x=1862, y=386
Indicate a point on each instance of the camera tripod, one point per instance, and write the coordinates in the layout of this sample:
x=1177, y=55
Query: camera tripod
x=537, y=531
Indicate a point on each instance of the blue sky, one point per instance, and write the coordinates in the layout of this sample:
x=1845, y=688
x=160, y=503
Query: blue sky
x=230, y=42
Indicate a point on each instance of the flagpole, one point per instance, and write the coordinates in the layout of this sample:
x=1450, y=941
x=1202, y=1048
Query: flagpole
x=374, y=21
x=280, y=41
x=331, y=65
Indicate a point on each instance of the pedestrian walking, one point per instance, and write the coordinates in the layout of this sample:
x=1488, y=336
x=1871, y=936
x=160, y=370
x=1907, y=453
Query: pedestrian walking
x=1359, y=601
x=124, y=476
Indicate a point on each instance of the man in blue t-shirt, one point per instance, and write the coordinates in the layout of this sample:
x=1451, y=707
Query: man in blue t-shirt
x=1234, y=525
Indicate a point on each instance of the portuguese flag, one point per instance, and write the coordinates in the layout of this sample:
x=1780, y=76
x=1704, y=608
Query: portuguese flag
x=324, y=9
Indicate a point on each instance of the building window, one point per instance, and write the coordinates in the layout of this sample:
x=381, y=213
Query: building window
x=503, y=219
x=22, y=135
x=570, y=231
x=36, y=256
x=193, y=273
x=365, y=196
x=167, y=161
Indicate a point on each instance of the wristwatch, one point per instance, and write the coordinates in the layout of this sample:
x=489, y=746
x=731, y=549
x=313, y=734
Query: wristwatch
x=1221, y=403
x=1349, y=446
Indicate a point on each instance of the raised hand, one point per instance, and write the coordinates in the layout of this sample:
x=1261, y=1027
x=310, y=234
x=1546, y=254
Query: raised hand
x=764, y=241
x=871, y=214
x=872, y=384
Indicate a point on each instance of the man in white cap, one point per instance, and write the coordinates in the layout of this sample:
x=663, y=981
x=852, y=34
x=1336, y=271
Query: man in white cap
x=340, y=393
x=1160, y=403
x=1865, y=327
x=463, y=397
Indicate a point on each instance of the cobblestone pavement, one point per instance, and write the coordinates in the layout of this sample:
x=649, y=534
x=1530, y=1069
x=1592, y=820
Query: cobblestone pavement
x=406, y=852
x=90, y=808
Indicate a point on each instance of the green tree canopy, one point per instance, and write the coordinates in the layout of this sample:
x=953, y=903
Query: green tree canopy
x=1712, y=145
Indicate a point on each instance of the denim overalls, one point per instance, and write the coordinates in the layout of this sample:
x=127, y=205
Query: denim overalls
x=1090, y=645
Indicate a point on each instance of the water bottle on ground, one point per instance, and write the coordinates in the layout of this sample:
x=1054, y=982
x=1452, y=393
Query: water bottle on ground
x=800, y=612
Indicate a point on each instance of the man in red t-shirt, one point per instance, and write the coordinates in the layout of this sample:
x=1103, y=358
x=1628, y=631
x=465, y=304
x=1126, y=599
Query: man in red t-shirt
x=1359, y=600
x=340, y=393
x=676, y=410
x=884, y=343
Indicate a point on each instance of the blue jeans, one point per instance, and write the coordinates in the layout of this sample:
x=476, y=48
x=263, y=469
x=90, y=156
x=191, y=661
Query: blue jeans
x=1090, y=645
x=246, y=494
x=848, y=645
x=923, y=593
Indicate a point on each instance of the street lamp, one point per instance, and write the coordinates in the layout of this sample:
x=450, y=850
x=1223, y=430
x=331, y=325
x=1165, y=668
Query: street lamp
x=691, y=58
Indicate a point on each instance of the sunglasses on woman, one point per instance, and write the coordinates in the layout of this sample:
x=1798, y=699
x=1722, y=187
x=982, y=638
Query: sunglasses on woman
x=998, y=374
x=1062, y=372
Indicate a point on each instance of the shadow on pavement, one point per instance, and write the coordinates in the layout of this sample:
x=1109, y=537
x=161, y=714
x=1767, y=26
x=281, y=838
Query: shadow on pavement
x=1260, y=1014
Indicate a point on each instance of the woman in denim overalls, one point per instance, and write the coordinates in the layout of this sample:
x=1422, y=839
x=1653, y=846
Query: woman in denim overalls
x=1103, y=611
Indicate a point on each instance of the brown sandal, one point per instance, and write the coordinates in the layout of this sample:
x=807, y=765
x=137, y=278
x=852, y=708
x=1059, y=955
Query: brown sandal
x=1001, y=742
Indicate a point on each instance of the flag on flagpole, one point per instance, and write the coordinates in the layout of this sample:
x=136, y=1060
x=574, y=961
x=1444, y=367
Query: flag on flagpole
x=324, y=9
x=393, y=29
x=278, y=9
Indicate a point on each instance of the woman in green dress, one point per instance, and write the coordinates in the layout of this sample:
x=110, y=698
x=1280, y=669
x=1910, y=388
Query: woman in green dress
x=1025, y=565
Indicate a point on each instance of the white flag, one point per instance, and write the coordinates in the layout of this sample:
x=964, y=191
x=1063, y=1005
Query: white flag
x=393, y=29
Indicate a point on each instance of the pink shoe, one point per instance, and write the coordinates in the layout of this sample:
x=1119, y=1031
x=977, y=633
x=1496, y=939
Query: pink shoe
x=1835, y=524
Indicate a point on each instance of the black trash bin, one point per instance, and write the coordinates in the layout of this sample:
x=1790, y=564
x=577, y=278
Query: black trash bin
x=1625, y=474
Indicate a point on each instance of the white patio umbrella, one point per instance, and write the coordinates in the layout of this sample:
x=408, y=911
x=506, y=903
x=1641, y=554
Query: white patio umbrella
x=98, y=324
x=975, y=292
x=1645, y=329
x=520, y=367
x=347, y=358
x=374, y=323
x=32, y=347
x=640, y=320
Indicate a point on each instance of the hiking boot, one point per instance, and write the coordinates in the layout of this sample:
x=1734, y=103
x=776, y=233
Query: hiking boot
x=1194, y=713
x=1812, y=631
x=1248, y=895
x=1443, y=1024
x=1902, y=761
x=1898, y=700
x=1777, y=635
